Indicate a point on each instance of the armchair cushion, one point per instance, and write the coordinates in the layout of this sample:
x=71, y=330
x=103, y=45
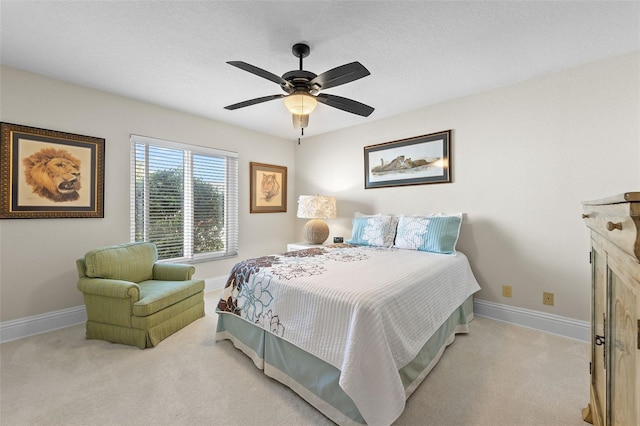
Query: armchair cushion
x=156, y=295
x=108, y=262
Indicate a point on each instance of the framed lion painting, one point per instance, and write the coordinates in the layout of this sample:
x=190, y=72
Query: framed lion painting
x=50, y=174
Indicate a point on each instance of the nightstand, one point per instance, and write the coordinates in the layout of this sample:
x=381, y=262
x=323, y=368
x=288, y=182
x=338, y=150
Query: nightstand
x=301, y=246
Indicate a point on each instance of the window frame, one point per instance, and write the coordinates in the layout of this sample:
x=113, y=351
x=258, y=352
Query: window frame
x=230, y=191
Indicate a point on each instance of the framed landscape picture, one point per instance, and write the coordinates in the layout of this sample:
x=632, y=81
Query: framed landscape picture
x=50, y=174
x=268, y=188
x=413, y=161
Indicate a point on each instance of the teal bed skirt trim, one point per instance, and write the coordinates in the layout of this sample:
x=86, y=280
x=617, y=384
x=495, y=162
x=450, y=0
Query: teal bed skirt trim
x=315, y=380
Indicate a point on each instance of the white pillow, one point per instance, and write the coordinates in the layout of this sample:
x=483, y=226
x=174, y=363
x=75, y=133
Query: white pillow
x=433, y=233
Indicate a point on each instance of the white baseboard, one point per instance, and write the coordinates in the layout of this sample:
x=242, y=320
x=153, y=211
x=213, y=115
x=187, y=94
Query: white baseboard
x=541, y=321
x=215, y=283
x=37, y=324
x=567, y=327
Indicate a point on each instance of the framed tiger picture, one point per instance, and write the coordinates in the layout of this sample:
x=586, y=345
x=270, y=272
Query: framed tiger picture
x=268, y=188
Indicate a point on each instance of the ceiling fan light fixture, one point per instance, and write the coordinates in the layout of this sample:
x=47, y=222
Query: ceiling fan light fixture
x=300, y=103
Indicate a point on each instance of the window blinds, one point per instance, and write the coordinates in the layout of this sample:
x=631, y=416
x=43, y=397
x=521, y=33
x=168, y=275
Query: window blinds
x=184, y=198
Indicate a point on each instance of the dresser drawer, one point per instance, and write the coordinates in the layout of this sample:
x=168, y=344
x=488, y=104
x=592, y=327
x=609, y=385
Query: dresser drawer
x=618, y=223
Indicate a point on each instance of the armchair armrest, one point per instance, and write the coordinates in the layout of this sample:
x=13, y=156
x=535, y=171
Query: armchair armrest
x=173, y=271
x=110, y=288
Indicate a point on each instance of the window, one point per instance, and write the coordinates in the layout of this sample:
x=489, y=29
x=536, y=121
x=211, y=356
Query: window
x=184, y=199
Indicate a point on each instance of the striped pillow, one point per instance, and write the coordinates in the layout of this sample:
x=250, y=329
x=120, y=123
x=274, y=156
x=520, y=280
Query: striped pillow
x=436, y=234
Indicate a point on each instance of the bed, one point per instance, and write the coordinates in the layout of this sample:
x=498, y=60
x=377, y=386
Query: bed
x=354, y=328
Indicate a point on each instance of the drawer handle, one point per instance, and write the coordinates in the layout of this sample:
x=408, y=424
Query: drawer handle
x=585, y=216
x=611, y=226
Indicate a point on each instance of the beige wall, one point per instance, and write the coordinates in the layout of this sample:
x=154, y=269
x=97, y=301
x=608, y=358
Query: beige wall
x=524, y=157
x=37, y=256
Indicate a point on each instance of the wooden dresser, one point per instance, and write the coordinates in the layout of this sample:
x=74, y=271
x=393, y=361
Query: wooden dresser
x=615, y=310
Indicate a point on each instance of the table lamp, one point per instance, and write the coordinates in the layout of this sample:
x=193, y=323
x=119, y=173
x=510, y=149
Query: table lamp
x=316, y=207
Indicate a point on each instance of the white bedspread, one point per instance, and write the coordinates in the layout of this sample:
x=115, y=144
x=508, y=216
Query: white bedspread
x=368, y=321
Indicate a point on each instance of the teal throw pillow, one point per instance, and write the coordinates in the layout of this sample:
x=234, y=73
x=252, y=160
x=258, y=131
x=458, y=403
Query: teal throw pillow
x=377, y=231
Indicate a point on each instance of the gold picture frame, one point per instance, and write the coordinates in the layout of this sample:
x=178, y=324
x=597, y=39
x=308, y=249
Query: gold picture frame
x=50, y=174
x=268, y=188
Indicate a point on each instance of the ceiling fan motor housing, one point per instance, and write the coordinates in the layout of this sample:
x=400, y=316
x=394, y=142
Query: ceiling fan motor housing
x=300, y=80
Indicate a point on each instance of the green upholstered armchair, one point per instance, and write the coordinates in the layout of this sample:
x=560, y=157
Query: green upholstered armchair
x=133, y=299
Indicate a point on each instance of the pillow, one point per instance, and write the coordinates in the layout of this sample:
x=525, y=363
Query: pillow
x=436, y=234
x=378, y=230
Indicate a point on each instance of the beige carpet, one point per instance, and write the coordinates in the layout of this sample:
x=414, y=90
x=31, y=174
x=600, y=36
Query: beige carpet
x=498, y=374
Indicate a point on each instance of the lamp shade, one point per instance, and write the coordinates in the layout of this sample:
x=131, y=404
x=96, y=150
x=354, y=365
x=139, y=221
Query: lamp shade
x=300, y=103
x=317, y=207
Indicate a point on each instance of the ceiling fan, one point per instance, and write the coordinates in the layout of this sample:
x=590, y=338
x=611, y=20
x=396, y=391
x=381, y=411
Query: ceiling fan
x=302, y=88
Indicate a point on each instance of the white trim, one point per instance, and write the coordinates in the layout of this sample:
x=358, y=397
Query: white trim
x=180, y=145
x=541, y=321
x=215, y=283
x=38, y=324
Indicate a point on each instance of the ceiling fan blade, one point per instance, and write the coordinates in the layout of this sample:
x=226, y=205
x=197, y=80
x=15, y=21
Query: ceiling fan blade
x=253, y=101
x=345, y=104
x=261, y=73
x=340, y=75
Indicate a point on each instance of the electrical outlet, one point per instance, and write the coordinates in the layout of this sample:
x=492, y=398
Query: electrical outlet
x=547, y=298
x=506, y=290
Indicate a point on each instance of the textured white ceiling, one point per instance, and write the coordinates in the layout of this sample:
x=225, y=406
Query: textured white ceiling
x=173, y=53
